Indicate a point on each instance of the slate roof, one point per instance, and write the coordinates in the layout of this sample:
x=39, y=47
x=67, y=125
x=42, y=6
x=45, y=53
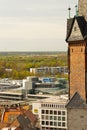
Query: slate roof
x=31, y=116
x=25, y=123
x=76, y=102
x=27, y=120
x=82, y=25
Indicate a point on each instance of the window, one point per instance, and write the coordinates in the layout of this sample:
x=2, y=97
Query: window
x=63, y=124
x=43, y=122
x=63, y=112
x=42, y=116
x=59, y=112
x=55, y=112
x=47, y=111
x=55, y=117
x=51, y=123
x=63, y=118
x=47, y=117
x=59, y=123
x=81, y=49
x=47, y=123
x=43, y=111
x=51, y=112
x=75, y=28
x=51, y=117
x=55, y=123
x=59, y=118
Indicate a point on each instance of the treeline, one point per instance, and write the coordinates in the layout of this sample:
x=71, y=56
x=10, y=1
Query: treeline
x=18, y=67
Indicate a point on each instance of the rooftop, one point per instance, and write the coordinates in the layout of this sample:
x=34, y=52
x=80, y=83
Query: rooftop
x=76, y=102
x=62, y=99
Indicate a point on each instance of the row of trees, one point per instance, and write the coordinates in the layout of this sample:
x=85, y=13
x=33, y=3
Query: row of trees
x=17, y=67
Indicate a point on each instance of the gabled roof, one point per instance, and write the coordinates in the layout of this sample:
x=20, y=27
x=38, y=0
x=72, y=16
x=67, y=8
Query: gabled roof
x=82, y=26
x=25, y=123
x=31, y=116
x=76, y=102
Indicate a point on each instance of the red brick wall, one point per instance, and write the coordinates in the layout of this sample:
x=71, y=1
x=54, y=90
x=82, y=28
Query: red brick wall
x=77, y=66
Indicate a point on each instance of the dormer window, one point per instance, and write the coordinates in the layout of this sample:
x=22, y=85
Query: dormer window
x=75, y=28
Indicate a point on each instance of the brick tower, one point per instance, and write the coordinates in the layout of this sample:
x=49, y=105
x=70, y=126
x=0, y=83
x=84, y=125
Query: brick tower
x=77, y=51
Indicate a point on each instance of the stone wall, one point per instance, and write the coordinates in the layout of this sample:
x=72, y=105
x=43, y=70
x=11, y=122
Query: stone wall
x=83, y=8
x=77, y=119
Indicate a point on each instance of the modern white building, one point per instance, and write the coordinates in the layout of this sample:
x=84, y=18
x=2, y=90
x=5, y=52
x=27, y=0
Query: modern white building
x=52, y=113
x=51, y=70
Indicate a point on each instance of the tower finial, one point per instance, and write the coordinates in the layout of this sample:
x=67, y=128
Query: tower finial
x=76, y=8
x=69, y=9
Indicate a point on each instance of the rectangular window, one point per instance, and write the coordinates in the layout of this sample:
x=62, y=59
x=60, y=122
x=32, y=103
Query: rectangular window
x=47, y=117
x=51, y=123
x=63, y=112
x=63, y=118
x=63, y=124
x=43, y=122
x=43, y=111
x=59, y=118
x=42, y=116
x=59, y=123
x=47, y=123
x=55, y=117
x=51, y=112
x=55, y=112
x=47, y=111
x=59, y=112
x=51, y=117
x=55, y=123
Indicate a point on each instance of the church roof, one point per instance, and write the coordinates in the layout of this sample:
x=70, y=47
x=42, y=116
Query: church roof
x=82, y=26
x=76, y=102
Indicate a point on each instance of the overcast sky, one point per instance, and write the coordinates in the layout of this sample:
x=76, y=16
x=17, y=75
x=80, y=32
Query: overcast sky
x=34, y=25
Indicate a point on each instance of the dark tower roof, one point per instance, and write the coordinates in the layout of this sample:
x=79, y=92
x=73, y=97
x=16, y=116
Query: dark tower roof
x=82, y=26
x=76, y=102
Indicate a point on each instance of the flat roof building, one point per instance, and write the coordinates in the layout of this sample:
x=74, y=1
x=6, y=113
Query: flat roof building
x=51, y=112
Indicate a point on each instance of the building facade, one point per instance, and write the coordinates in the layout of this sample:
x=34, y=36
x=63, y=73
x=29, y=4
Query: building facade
x=50, y=70
x=52, y=113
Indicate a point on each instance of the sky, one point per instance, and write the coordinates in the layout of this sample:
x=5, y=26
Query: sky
x=34, y=25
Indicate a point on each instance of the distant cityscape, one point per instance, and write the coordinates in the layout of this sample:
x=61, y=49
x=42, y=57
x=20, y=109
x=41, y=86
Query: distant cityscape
x=54, y=97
